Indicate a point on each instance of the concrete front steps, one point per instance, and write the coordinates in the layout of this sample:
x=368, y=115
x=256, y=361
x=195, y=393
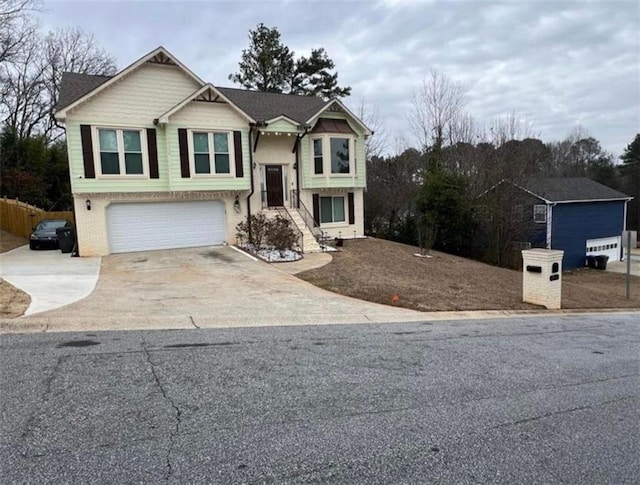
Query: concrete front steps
x=309, y=241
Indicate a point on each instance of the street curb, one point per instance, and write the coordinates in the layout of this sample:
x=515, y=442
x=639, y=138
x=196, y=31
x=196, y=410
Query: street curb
x=34, y=324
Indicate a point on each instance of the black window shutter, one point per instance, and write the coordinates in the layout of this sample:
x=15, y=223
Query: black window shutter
x=316, y=208
x=352, y=212
x=184, y=153
x=87, y=152
x=152, y=147
x=237, y=149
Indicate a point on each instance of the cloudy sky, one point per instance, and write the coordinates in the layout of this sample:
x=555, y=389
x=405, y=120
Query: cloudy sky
x=557, y=64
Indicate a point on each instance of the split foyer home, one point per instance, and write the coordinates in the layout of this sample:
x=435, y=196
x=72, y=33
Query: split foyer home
x=160, y=159
x=575, y=214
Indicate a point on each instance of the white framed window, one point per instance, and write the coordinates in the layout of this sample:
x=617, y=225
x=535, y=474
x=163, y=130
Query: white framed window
x=120, y=152
x=340, y=157
x=332, y=209
x=333, y=155
x=318, y=159
x=540, y=213
x=211, y=153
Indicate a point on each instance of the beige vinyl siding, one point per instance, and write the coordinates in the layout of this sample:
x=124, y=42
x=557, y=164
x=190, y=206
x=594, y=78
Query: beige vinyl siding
x=276, y=150
x=200, y=115
x=310, y=181
x=340, y=229
x=281, y=125
x=80, y=184
x=138, y=98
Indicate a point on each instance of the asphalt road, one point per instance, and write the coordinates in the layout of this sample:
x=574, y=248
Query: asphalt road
x=528, y=400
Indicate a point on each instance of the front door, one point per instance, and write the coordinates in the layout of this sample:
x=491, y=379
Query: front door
x=273, y=177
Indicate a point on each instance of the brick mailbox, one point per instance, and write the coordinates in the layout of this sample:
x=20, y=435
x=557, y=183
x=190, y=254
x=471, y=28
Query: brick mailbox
x=542, y=277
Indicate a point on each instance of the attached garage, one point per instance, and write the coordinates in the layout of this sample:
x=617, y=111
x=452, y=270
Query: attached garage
x=607, y=246
x=147, y=226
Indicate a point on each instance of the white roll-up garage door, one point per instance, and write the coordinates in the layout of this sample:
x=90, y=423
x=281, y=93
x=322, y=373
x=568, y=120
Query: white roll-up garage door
x=147, y=226
x=606, y=246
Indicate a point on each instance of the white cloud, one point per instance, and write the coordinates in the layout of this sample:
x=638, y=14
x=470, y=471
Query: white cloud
x=555, y=63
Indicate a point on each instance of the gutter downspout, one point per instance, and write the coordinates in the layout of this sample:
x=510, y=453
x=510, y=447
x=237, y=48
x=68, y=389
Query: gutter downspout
x=298, y=160
x=252, y=126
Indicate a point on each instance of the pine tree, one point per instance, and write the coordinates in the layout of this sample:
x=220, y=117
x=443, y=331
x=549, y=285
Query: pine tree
x=268, y=65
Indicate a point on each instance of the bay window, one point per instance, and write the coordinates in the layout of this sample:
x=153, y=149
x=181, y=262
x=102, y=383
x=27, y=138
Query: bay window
x=318, y=159
x=339, y=155
x=332, y=155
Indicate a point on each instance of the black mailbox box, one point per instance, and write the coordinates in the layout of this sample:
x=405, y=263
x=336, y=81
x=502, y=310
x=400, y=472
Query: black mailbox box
x=534, y=269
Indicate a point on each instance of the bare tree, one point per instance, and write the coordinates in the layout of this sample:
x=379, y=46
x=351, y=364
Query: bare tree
x=511, y=127
x=31, y=81
x=376, y=144
x=437, y=108
x=71, y=50
x=16, y=27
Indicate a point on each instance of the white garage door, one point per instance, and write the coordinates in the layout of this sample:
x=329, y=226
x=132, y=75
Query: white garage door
x=165, y=225
x=606, y=246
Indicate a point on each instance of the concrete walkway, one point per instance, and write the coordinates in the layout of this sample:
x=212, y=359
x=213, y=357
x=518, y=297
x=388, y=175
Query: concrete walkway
x=621, y=266
x=52, y=279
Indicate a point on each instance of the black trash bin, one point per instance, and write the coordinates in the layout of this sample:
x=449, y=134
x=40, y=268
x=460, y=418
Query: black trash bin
x=591, y=262
x=66, y=238
x=601, y=262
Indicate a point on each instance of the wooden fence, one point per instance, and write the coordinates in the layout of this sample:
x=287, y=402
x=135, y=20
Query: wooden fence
x=19, y=217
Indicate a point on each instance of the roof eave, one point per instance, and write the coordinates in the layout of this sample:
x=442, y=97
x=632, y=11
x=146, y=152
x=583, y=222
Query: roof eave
x=627, y=199
x=164, y=118
x=364, y=127
x=61, y=113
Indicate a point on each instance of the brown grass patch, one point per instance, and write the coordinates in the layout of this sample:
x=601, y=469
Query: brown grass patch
x=13, y=302
x=376, y=270
x=10, y=241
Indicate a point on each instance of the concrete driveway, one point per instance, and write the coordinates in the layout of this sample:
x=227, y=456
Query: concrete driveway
x=52, y=279
x=207, y=287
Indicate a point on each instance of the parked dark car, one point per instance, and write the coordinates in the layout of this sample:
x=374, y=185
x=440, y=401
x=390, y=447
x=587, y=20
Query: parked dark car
x=44, y=234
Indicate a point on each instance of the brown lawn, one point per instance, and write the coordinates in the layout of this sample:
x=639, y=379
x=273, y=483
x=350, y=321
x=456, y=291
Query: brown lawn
x=13, y=302
x=10, y=241
x=376, y=270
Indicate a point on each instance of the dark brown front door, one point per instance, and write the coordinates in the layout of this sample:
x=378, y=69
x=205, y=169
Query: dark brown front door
x=274, y=185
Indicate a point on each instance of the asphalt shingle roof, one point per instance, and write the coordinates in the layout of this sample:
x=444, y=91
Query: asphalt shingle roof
x=571, y=188
x=266, y=106
x=74, y=86
x=258, y=105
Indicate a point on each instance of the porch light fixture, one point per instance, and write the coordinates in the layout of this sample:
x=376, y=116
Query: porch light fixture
x=88, y=204
x=236, y=204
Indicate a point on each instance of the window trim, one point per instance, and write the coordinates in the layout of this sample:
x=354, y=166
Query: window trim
x=344, y=210
x=212, y=154
x=313, y=155
x=326, y=155
x=544, y=213
x=97, y=159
